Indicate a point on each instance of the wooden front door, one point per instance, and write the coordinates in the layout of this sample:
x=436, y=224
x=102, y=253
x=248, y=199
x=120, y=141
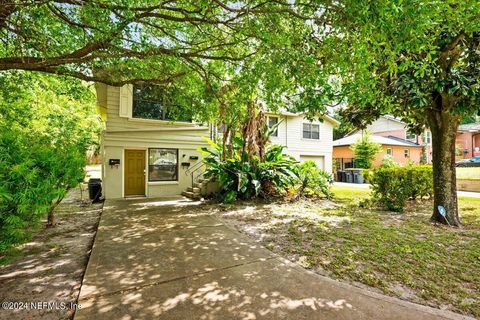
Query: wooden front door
x=134, y=173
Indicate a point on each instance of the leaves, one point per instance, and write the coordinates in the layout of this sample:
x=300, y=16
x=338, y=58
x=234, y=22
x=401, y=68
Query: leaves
x=46, y=125
x=248, y=177
x=365, y=151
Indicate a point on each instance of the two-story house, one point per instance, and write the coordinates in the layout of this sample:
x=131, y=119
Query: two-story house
x=144, y=152
x=304, y=139
x=396, y=140
x=147, y=151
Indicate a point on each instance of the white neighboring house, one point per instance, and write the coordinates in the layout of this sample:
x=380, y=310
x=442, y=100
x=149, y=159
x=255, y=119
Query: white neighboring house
x=304, y=139
x=143, y=156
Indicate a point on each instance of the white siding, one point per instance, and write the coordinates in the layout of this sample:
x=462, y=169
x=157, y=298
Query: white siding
x=122, y=132
x=290, y=135
x=383, y=125
x=115, y=122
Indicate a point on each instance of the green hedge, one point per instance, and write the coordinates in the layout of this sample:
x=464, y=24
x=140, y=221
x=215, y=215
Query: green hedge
x=46, y=125
x=393, y=186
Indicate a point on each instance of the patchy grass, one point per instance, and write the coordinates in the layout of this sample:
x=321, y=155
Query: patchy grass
x=403, y=255
x=349, y=194
x=468, y=173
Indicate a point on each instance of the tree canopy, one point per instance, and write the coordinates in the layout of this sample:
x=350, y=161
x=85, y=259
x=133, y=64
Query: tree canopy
x=118, y=42
x=417, y=60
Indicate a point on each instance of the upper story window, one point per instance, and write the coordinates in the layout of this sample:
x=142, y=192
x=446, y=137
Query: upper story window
x=389, y=151
x=311, y=131
x=406, y=153
x=271, y=122
x=409, y=135
x=153, y=102
x=427, y=137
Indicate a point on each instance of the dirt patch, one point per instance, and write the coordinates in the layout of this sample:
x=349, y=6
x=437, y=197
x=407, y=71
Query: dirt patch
x=50, y=267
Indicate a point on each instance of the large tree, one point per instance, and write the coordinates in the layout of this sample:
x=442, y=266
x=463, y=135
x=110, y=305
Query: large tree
x=415, y=59
x=118, y=42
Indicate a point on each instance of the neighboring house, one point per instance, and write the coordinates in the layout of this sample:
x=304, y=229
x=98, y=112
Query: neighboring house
x=402, y=151
x=304, y=139
x=468, y=141
x=403, y=145
x=389, y=126
x=147, y=153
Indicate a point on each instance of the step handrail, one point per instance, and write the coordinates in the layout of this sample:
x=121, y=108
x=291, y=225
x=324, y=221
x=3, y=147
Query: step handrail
x=192, y=173
x=194, y=167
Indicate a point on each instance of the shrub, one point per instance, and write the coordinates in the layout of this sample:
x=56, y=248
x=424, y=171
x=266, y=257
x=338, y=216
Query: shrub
x=313, y=180
x=393, y=186
x=46, y=125
x=388, y=162
x=244, y=177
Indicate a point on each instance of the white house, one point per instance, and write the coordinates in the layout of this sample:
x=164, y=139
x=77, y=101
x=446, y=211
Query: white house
x=144, y=157
x=304, y=139
x=146, y=154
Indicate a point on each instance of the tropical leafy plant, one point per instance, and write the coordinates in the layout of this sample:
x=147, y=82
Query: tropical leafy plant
x=243, y=176
x=313, y=180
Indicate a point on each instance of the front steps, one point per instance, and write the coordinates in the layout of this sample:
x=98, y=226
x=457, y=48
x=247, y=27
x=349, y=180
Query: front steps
x=195, y=192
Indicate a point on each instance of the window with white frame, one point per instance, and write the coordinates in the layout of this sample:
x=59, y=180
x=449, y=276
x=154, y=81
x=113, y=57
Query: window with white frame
x=406, y=153
x=272, y=122
x=311, y=131
x=389, y=152
x=427, y=137
x=154, y=102
x=162, y=164
x=409, y=135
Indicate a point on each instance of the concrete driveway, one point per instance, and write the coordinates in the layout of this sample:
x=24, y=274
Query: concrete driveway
x=166, y=259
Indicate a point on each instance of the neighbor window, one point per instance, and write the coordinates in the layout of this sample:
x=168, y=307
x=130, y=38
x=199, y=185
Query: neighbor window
x=162, y=164
x=311, y=131
x=427, y=137
x=389, y=152
x=153, y=102
x=406, y=152
x=410, y=135
x=273, y=121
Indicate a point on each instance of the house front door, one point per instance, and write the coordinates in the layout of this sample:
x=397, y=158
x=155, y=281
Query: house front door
x=134, y=173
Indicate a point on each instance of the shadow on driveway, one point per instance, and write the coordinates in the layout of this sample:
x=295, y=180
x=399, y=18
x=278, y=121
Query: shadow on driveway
x=167, y=259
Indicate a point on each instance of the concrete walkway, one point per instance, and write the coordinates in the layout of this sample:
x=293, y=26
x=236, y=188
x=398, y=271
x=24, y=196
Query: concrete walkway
x=466, y=194
x=165, y=259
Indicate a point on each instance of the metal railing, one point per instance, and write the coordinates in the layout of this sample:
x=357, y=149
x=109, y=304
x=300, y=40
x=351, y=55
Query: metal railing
x=193, y=171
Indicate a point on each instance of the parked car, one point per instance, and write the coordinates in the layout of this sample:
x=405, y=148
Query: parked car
x=472, y=162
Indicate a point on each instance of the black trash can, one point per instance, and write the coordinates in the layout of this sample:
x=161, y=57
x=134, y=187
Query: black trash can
x=339, y=175
x=95, y=189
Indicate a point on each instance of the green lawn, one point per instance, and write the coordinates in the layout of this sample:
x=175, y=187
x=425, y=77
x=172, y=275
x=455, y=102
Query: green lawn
x=471, y=173
x=401, y=254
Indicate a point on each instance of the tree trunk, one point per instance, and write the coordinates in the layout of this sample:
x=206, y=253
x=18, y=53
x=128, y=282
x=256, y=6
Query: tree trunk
x=51, y=220
x=443, y=125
